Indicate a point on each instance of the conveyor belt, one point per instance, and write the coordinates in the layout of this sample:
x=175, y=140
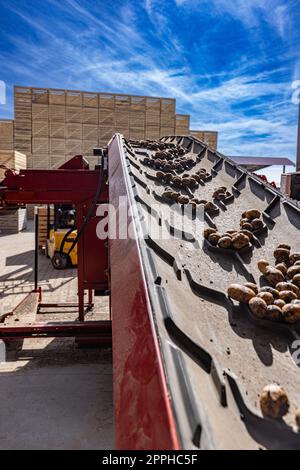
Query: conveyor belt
x=217, y=357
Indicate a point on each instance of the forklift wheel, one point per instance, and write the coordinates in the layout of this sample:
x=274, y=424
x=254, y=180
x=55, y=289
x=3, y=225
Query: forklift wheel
x=59, y=261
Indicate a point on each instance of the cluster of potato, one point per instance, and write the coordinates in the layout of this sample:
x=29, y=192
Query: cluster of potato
x=221, y=193
x=234, y=239
x=251, y=220
x=170, y=195
x=184, y=181
x=203, y=174
x=170, y=153
x=280, y=300
x=165, y=161
x=153, y=145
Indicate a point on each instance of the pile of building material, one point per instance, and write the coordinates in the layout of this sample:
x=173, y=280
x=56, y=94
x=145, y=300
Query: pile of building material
x=15, y=221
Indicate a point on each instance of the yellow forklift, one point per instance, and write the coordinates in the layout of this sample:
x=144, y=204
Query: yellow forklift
x=61, y=236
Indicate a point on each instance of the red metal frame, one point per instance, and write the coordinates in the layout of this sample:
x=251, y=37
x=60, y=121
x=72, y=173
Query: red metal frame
x=101, y=330
x=74, y=184
x=143, y=413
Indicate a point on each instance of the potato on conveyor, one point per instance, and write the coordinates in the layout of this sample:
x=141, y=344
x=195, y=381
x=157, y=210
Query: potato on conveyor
x=220, y=193
x=160, y=175
x=282, y=267
x=247, y=226
x=240, y=293
x=274, y=312
x=167, y=194
x=169, y=176
x=296, y=280
x=291, y=313
x=177, y=181
x=274, y=402
x=244, y=221
x=167, y=167
x=251, y=286
x=240, y=241
x=220, y=196
x=248, y=233
x=267, y=297
x=214, y=238
x=258, y=307
x=226, y=234
x=270, y=289
x=292, y=271
x=294, y=257
x=224, y=242
x=183, y=200
x=210, y=206
x=283, y=245
x=188, y=182
x=279, y=302
x=288, y=286
x=196, y=200
x=257, y=224
x=252, y=214
x=262, y=265
x=273, y=275
x=196, y=178
x=281, y=255
x=175, y=196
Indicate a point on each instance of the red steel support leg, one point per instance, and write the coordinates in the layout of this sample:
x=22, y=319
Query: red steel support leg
x=80, y=264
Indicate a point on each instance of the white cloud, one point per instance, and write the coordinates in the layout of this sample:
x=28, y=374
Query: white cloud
x=250, y=12
x=112, y=53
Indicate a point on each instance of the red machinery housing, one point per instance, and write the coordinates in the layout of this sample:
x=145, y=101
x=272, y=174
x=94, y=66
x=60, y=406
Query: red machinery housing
x=73, y=183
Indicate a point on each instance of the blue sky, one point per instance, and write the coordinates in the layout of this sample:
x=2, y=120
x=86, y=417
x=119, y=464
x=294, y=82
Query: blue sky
x=229, y=63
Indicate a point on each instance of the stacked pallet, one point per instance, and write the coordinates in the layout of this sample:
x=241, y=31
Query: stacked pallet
x=23, y=120
x=15, y=221
x=57, y=128
x=53, y=125
x=40, y=129
x=90, y=123
x=167, y=117
x=122, y=107
x=152, y=118
x=137, y=117
x=42, y=232
x=6, y=134
x=209, y=137
x=106, y=117
x=182, y=124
